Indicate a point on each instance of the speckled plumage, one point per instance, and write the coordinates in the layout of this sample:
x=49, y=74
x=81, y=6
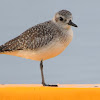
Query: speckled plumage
x=33, y=38
x=41, y=38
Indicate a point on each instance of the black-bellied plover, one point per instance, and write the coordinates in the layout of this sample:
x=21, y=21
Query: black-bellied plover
x=43, y=41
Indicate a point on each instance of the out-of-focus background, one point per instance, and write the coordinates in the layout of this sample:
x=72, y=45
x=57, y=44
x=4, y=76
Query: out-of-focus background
x=78, y=64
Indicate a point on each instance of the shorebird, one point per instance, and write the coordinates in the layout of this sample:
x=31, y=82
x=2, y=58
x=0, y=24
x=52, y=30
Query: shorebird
x=42, y=41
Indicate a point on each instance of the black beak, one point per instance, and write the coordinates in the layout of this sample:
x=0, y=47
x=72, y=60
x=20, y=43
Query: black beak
x=72, y=24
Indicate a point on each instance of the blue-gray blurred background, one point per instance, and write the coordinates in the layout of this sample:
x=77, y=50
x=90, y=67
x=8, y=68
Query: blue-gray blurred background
x=78, y=64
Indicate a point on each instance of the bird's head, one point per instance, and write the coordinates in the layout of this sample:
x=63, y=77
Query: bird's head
x=63, y=19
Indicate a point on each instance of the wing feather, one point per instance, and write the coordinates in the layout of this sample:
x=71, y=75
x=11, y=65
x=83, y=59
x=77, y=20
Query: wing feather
x=33, y=38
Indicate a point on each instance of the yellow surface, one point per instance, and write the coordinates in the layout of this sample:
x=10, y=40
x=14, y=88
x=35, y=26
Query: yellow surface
x=38, y=92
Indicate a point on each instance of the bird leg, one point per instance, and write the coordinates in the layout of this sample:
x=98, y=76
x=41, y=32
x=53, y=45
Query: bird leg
x=43, y=81
x=41, y=68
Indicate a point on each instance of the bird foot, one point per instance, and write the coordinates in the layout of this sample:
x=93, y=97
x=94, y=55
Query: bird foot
x=53, y=85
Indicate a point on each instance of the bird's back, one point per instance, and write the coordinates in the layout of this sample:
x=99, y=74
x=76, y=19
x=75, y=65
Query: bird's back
x=34, y=38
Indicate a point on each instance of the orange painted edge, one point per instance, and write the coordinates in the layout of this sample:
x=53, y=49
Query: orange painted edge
x=39, y=92
x=59, y=85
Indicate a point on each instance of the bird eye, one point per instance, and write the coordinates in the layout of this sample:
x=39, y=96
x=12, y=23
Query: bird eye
x=61, y=19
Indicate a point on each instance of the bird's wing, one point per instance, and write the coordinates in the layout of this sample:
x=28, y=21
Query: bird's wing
x=33, y=38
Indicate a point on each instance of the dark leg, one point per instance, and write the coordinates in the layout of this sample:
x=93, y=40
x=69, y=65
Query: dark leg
x=43, y=81
x=41, y=67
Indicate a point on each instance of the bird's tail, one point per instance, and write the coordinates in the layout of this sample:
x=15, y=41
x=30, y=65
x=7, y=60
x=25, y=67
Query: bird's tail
x=1, y=49
x=5, y=50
